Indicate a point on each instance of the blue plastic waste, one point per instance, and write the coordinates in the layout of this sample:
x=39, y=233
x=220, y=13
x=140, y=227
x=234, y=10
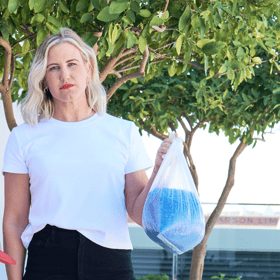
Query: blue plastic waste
x=172, y=214
x=178, y=223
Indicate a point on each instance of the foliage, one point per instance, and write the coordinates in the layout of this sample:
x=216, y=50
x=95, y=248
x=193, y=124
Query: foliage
x=215, y=60
x=253, y=107
x=154, y=277
x=222, y=276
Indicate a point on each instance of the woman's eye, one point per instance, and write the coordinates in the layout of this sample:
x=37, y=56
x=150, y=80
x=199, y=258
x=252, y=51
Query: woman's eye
x=71, y=63
x=53, y=68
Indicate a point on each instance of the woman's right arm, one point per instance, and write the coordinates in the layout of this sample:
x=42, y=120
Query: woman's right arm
x=16, y=212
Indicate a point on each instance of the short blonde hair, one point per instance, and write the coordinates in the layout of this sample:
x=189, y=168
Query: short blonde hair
x=37, y=103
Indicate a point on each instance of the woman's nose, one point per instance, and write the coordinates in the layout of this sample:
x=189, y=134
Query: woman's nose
x=64, y=74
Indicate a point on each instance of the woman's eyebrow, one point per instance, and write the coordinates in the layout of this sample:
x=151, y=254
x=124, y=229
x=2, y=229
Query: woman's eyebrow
x=66, y=62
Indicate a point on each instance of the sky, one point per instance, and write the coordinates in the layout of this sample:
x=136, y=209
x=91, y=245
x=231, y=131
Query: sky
x=257, y=170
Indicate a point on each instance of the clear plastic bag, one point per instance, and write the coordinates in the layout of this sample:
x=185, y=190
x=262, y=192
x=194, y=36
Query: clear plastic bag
x=172, y=214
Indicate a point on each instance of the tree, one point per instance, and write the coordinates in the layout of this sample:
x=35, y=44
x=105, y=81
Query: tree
x=195, y=63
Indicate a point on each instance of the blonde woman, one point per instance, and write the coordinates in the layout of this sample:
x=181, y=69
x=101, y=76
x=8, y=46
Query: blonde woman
x=80, y=169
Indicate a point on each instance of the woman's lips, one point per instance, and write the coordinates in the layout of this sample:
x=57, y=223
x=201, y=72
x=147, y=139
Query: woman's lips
x=67, y=86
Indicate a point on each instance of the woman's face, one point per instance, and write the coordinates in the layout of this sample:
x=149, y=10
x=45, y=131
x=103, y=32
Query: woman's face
x=65, y=65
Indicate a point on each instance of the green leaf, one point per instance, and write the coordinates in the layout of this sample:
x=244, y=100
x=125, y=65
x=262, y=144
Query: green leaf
x=145, y=13
x=115, y=34
x=245, y=98
x=222, y=69
x=118, y=7
x=142, y=44
x=134, y=6
x=172, y=70
x=52, y=28
x=265, y=100
x=131, y=14
x=130, y=39
x=156, y=21
x=63, y=7
x=25, y=46
x=105, y=16
x=81, y=5
x=213, y=47
x=13, y=5
x=254, y=92
x=54, y=21
x=179, y=44
x=276, y=91
x=205, y=64
x=203, y=42
x=95, y=4
x=39, y=5
x=185, y=18
x=41, y=36
x=87, y=17
x=230, y=74
x=31, y=4
x=257, y=60
x=38, y=18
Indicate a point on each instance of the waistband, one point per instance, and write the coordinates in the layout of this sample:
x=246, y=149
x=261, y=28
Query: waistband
x=56, y=231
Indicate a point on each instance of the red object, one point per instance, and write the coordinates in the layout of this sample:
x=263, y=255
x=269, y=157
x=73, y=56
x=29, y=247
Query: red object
x=67, y=86
x=4, y=258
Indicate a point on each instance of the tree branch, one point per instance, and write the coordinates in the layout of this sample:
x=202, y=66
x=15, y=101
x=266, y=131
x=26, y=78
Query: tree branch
x=153, y=131
x=140, y=73
x=178, y=59
x=110, y=66
x=124, y=60
x=129, y=68
x=13, y=71
x=229, y=184
x=189, y=121
x=5, y=85
x=17, y=54
x=171, y=125
x=26, y=38
x=166, y=5
x=25, y=30
x=260, y=139
x=157, y=61
x=116, y=73
x=8, y=58
x=199, y=125
x=183, y=125
x=165, y=46
x=95, y=47
x=237, y=69
x=191, y=165
x=129, y=51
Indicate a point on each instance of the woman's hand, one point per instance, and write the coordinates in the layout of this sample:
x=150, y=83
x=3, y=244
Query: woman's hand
x=165, y=145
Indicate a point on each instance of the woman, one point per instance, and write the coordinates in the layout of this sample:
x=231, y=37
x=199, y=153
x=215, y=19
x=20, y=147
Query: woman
x=78, y=167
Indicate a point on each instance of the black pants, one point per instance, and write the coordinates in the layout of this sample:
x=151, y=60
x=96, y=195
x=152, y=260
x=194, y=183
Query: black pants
x=60, y=254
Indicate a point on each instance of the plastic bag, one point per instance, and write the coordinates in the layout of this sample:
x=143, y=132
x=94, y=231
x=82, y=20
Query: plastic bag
x=172, y=214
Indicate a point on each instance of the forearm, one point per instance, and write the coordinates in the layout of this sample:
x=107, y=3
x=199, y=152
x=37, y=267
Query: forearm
x=14, y=248
x=141, y=199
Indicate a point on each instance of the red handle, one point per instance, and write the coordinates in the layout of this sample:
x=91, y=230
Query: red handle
x=4, y=258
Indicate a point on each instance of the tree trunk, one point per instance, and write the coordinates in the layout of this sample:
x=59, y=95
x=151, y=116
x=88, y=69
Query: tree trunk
x=199, y=252
x=197, y=263
x=8, y=109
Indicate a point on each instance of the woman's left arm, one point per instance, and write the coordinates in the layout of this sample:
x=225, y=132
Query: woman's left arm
x=137, y=185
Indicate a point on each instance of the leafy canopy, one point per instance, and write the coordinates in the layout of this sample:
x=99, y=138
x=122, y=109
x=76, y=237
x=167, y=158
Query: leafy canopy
x=216, y=61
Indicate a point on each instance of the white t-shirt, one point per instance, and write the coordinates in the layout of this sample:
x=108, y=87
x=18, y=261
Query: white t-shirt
x=77, y=175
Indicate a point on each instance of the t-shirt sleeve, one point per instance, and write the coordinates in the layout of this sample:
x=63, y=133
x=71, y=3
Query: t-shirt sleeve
x=138, y=158
x=13, y=157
